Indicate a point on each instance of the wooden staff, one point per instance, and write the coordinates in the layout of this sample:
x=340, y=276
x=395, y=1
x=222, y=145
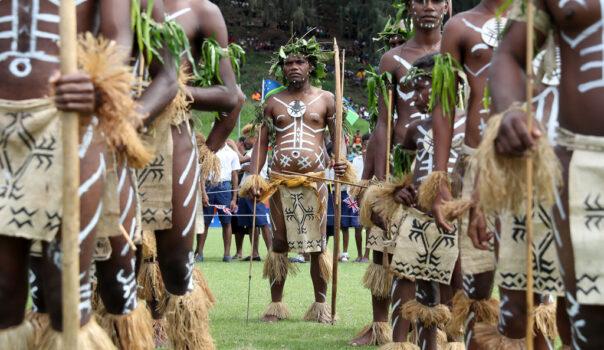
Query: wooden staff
x=385, y=259
x=335, y=181
x=249, y=276
x=338, y=199
x=529, y=178
x=70, y=282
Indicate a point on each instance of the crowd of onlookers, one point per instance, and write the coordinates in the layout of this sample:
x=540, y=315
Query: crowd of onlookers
x=222, y=203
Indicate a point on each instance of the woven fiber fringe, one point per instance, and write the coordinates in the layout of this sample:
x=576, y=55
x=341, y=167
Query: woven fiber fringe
x=431, y=187
x=378, y=280
x=210, y=164
x=131, y=331
x=91, y=337
x=20, y=337
x=160, y=333
x=279, y=310
x=381, y=333
x=318, y=312
x=438, y=315
x=150, y=283
x=545, y=320
x=455, y=208
x=277, y=266
x=488, y=337
x=379, y=199
x=357, y=192
x=188, y=321
x=39, y=322
x=399, y=346
x=500, y=186
x=200, y=281
x=179, y=109
x=486, y=311
x=350, y=175
x=459, y=314
x=455, y=346
x=325, y=265
x=251, y=182
x=149, y=245
x=113, y=79
x=441, y=339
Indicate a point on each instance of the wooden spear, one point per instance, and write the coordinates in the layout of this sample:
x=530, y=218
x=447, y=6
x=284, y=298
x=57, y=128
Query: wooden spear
x=70, y=282
x=338, y=187
x=253, y=233
x=529, y=177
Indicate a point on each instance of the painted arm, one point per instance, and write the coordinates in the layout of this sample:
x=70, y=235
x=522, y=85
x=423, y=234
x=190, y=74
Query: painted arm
x=508, y=70
x=225, y=97
x=223, y=127
x=442, y=124
x=75, y=92
x=260, y=150
x=164, y=85
x=376, y=146
x=339, y=167
x=235, y=183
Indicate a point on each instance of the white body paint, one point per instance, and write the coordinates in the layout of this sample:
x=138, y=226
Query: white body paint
x=21, y=66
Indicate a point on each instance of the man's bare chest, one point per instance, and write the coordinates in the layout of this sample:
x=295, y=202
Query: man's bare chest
x=303, y=116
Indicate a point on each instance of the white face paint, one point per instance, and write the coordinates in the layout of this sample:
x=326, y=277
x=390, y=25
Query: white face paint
x=20, y=65
x=595, y=30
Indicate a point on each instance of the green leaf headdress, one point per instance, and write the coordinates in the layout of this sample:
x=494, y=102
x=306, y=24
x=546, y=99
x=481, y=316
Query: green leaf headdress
x=401, y=25
x=376, y=84
x=445, y=84
x=309, y=48
x=151, y=36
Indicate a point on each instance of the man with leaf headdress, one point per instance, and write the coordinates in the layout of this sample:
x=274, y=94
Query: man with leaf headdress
x=575, y=191
x=32, y=156
x=296, y=119
x=426, y=17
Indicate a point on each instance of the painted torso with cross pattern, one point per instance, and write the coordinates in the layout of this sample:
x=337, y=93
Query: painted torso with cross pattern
x=300, y=123
x=29, y=36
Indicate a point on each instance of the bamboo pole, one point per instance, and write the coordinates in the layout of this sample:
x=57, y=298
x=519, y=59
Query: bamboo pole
x=70, y=282
x=249, y=281
x=529, y=178
x=385, y=258
x=338, y=199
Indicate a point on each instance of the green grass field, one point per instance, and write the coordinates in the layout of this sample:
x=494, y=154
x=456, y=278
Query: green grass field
x=229, y=283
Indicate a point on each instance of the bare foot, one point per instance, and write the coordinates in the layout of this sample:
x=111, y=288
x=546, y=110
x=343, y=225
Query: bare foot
x=364, y=339
x=270, y=318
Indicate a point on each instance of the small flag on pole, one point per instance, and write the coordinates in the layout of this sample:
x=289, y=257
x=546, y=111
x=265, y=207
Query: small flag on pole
x=269, y=88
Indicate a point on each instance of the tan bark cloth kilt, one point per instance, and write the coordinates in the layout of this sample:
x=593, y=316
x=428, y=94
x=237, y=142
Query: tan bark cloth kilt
x=377, y=242
x=155, y=180
x=422, y=251
x=304, y=204
x=31, y=162
x=473, y=261
x=586, y=213
x=511, y=263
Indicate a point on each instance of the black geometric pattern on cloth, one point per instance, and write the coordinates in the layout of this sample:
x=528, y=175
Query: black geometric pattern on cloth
x=310, y=244
x=594, y=212
x=154, y=172
x=428, y=265
x=587, y=284
x=299, y=214
x=544, y=269
x=40, y=157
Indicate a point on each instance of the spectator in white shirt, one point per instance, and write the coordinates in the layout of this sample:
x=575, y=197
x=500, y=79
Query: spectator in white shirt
x=221, y=199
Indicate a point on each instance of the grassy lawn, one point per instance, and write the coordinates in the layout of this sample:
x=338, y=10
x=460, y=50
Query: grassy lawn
x=229, y=283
